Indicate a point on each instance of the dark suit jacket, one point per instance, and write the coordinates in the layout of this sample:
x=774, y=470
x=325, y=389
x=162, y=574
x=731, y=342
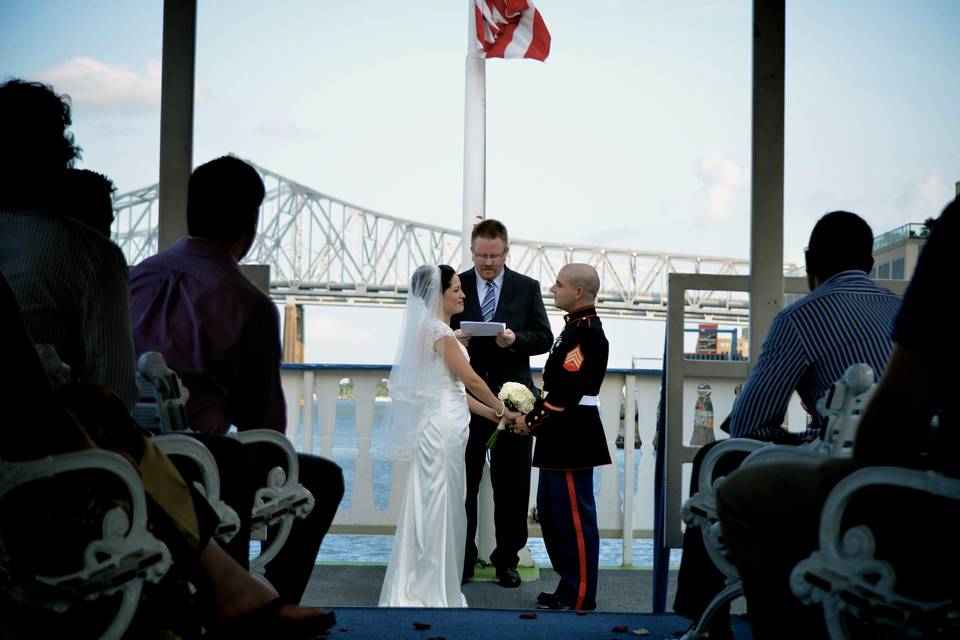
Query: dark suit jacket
x=521, y=308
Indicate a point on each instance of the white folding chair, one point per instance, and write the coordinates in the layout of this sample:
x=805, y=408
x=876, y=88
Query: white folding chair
x=282, y=501
x=850, y=582
x=125, y=556
x=842, y=405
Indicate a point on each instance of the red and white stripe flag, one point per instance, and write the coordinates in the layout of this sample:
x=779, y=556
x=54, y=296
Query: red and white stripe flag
x=511, y=29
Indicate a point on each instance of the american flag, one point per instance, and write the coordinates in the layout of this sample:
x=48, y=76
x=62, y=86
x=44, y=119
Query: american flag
x=511, y=29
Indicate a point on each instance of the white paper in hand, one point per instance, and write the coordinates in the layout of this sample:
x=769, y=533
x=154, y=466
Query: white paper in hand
x=483, y=328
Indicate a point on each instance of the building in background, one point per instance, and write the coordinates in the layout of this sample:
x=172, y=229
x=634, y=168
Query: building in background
x=895, y=252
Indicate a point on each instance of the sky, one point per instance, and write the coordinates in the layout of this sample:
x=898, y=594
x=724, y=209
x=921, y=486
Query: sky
x=634, y=134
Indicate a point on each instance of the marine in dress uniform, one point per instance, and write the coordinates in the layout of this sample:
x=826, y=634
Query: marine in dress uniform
x=571, y=442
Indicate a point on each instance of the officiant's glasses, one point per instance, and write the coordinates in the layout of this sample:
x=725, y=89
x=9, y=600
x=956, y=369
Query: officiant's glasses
x=492, y=257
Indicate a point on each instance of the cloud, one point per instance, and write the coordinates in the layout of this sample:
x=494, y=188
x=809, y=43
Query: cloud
x=723, y=188
x=925, y=198
x=284, y=127
x=102, y=85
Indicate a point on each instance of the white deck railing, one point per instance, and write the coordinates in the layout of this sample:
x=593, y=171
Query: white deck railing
x=374, y=485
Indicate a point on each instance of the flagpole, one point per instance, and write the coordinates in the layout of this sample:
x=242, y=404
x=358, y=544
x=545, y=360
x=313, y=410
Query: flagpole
x=474, y=137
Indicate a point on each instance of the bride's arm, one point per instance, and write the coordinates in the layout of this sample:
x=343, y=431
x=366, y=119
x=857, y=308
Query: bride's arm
x=449, y=348
x=481, y=409
x=489, y=413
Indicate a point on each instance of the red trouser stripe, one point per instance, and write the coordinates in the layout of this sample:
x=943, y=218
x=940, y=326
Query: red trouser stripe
x=581, y=545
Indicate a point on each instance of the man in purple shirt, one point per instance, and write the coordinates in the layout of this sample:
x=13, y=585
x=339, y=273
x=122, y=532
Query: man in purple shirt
x=215, y=329
x=221, y=335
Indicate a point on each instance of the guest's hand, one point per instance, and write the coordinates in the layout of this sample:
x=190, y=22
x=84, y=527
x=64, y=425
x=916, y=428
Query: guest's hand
x=506, y=338
x=462, y=336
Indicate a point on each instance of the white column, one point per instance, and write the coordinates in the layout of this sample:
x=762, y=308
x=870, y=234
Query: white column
x=474, y=138
x=766, y=183
x=176, y=116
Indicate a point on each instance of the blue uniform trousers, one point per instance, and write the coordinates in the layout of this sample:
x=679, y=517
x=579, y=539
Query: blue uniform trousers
x=568, y=519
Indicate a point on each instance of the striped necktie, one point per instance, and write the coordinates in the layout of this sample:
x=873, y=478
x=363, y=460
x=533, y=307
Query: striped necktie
x=489, y=302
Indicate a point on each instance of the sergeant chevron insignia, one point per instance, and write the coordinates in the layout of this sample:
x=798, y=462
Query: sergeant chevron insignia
x=574, y=359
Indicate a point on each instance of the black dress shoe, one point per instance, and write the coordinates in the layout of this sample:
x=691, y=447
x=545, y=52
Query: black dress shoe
x=550, y=601
x=508, y=577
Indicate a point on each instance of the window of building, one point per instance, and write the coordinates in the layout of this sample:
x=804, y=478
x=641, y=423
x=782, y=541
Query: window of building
x=897, y=269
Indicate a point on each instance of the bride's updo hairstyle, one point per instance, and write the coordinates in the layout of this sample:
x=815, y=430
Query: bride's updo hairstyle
x=446, y=277
x=422, y=277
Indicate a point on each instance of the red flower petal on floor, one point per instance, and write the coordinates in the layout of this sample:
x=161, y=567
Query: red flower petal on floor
x=420, y=626
x=620, y=628
x=528, y=615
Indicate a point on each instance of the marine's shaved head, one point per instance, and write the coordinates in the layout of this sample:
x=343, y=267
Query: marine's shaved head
x=580, y=274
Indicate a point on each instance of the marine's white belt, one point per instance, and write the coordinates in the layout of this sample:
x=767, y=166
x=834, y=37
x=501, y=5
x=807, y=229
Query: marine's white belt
x=586, y=401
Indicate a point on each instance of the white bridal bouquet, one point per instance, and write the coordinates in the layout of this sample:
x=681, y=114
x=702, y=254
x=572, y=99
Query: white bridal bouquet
x=515, y=397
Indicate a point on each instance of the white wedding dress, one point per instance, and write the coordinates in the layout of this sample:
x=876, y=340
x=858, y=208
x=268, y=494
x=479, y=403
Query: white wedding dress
x=426, y=564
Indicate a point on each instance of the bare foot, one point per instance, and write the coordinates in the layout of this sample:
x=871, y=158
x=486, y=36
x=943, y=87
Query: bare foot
x=294, y=612
x=237, y=593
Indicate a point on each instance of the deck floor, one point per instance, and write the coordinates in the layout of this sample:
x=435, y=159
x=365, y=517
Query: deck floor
x=619, y=590
x=353, y=591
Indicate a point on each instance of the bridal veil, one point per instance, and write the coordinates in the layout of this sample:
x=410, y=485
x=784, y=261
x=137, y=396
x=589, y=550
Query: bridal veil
x=417, y=371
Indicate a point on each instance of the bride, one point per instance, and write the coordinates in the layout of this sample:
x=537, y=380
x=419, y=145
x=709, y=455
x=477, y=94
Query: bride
x=428, y=425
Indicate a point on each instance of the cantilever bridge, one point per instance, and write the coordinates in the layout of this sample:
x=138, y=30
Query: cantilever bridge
x=323, y=250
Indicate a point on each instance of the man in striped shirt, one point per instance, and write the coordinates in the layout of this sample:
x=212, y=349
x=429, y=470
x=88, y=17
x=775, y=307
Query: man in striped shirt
x=770, y=512
x=846, y=319
x=70, y=282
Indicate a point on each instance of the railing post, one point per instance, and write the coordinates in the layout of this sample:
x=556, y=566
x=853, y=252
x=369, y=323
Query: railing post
x=308, y=411
x=291, y=385
x=661, y=552
x=629, y=431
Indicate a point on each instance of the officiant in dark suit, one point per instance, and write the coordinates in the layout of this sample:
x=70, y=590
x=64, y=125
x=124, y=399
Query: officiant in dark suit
x=494, y=293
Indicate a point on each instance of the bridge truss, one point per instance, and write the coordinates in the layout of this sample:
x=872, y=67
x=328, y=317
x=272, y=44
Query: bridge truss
x=323, y=250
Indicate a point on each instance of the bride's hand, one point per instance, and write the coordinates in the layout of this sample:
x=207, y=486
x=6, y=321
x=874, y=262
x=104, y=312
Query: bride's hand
x=511, y=416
